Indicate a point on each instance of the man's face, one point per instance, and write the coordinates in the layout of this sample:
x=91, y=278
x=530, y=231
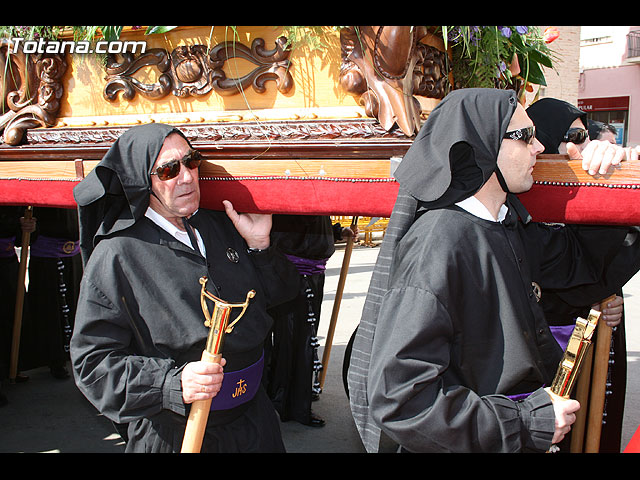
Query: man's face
x=517, y=158
x=178, y=196
x=608, y=136
x=577, y=123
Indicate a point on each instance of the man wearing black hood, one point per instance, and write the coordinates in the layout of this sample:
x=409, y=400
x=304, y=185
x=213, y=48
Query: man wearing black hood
x=453, y=351
x=563, y=128
x=139, y=331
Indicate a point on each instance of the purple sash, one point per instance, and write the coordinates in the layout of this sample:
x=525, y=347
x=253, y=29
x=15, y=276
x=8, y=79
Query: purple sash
x=7, y=247
x=239, y=387
x=308, y=266
x=562, y=334
x=49, y=247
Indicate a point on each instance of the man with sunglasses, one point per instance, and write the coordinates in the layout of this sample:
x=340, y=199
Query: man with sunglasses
x=453, y=352
x=563, y=128
x=139, y=332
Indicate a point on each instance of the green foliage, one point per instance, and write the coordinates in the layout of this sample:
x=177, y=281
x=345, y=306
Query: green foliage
x=311, y=36
x=482, y=55
x=109, y=33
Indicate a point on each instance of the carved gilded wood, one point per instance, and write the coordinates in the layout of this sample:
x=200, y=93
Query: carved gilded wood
x=31, y=90
x=195, y=70
x=385, y=67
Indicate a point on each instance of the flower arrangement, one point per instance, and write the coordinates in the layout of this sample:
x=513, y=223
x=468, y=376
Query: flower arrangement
x=499, y=56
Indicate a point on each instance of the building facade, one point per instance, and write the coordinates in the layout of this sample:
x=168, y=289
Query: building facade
x=609, y=80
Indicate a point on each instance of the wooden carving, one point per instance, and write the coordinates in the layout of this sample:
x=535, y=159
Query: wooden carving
x=385, y=66
x=195, y=70
x=120, y=75
x=431, y=79
x=31, y=88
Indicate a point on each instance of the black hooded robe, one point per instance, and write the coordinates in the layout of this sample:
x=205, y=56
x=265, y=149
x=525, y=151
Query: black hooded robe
x=308, y=240
x=453, y=349
x=460, y=330
x=139, y=319
x=552, y=118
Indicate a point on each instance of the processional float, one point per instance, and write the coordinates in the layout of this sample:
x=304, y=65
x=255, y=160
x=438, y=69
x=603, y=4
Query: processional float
x=281, y=131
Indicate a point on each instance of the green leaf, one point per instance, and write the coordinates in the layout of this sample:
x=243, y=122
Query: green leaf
x=531, y=71
x=540, y=57
x=111, y=33
x=158, y=29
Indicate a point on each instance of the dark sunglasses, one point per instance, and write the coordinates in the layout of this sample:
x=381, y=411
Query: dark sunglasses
x=171, y=169
x=526, y=134
x=576, y=135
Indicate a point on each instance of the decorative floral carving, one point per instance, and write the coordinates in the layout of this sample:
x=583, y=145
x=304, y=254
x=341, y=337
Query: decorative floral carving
x=431, y=72
x=195, y=70
x=31, y=90
x=385, y=66
x=316, y=130
x=120, y=75
x=270, y=65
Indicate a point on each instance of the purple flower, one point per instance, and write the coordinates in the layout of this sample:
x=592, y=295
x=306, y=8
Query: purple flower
x=522, y=30
x=505, y=31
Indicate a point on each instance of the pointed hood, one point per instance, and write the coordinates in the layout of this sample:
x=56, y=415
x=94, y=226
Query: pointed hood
x=115, y=194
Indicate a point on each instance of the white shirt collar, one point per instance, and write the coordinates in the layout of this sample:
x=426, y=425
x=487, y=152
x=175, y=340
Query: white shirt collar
x=172, y=230
x=476, y=207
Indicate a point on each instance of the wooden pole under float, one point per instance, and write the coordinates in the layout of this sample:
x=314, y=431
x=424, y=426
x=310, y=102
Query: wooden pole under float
x=19, y=305
x=598, y=383
x=336, y=303
x=582, y=396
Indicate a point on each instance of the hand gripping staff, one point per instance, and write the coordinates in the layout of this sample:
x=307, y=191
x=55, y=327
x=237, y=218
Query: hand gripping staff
x=218, y=324
x=574, y=356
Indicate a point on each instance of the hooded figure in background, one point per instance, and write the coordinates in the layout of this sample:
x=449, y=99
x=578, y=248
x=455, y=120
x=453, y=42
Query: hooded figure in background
x=139, y=332
x=453, y=350
x=554, y=119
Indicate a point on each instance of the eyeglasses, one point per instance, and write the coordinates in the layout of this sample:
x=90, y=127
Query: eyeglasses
x=576, y=135
x=526, y=134
x=171, y=169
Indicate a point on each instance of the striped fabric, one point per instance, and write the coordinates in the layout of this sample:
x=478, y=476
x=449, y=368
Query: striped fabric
x=401, y=219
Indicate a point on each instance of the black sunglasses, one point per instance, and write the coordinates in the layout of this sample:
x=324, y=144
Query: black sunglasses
x=171, y=169
x=526, y=134
x=576, y=135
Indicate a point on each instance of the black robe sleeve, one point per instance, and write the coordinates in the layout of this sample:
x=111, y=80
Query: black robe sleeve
x=423, y=412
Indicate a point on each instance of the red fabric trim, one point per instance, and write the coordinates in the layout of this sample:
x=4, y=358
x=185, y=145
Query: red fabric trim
x=546, y=203
x=634, y=444
x=38, y=193
x=597, y=205
x=318, y=197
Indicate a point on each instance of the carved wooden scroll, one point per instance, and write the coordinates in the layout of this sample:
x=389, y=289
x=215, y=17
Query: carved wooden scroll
x=31, y=88
x=195, y=70
x=385, y=66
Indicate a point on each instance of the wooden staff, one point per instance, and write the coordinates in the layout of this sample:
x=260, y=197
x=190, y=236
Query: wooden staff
x=336, y=303
x=598, y=383
x=198, y=416
x=218, y=325
x=582, y=396
x=20, y=290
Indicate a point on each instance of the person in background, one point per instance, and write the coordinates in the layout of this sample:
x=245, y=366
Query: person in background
x=563, y=128
x=12, y=227
x=308, y=241
x=55, y=269
x=602, y=131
